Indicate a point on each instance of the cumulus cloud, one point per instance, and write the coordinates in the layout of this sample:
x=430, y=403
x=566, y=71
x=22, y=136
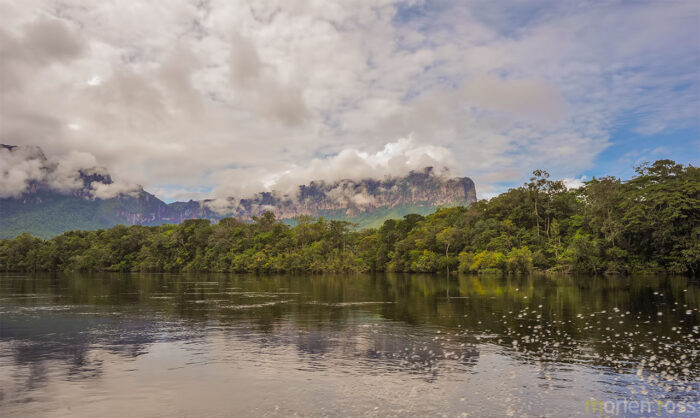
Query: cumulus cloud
x=101, y=190
x=42, y=43
x=341, y=171
x=222, y=206
x=395, y=159
x=245, y=63
x=574, y=183
x=48, y=40
x=245, y=95
x=18, y=168
x=529, y=99
x=348, y=196
x=66, y=174
x=26, y=167
x=260, y=82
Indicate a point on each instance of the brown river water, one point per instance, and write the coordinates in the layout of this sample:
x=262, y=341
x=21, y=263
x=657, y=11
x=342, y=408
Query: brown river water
x=103, y=345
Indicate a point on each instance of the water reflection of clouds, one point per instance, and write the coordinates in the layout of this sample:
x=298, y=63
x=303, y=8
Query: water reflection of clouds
x=63, y=345
x=559, y=338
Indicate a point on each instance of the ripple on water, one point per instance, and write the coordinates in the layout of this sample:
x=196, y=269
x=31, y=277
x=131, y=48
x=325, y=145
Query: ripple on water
x=342, y=304
x=254, y=305
x=486, y=350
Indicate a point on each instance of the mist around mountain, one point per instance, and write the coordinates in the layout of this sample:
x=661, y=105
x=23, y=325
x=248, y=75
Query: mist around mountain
x=46, y=198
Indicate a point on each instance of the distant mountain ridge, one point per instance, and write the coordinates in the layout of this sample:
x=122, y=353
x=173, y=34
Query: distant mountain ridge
x=43, y=211
x=352, y=198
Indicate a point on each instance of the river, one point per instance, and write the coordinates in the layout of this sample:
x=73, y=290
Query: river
x=347, y=345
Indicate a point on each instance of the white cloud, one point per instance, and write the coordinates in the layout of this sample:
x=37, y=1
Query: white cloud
x=574, y=183
x=18, y=168
x=65, y=174
x=528, y=99
x=246, y=95
x=170, y=194
x=110, y=190
x=23, y=167
x=95, y=80
x=393, y=160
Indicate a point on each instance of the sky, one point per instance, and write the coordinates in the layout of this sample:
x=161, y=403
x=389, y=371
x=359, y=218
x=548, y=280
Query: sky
x=208, y=98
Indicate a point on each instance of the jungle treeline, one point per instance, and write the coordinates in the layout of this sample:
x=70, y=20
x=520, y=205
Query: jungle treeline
x=649, y=223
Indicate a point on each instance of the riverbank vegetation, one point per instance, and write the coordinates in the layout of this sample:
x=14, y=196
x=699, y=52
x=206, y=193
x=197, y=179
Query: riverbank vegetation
x=648, y=223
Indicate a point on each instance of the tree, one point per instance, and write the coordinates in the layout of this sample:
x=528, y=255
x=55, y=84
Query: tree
x=537, y=184
x=448, y=237
x=650, y=222
x=519, y=260
x=603, y=198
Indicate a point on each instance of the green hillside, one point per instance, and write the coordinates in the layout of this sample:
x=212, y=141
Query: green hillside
x=56, y=216
x=52, y=214
x=376, y=217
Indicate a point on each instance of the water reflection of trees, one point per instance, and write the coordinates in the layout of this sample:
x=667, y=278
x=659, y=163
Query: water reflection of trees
x=50, y=342
x=562, y=319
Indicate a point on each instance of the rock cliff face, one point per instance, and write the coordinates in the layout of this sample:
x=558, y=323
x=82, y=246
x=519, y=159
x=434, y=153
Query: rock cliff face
x=352, y=198
x=44, y=211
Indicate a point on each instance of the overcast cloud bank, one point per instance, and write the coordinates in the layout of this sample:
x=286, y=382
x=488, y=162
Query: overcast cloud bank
x=240, y=96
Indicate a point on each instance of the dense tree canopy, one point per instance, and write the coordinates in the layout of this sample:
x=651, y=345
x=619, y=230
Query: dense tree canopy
x=648, y=223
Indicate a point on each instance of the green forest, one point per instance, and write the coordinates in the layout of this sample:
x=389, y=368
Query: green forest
x=649, y=223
